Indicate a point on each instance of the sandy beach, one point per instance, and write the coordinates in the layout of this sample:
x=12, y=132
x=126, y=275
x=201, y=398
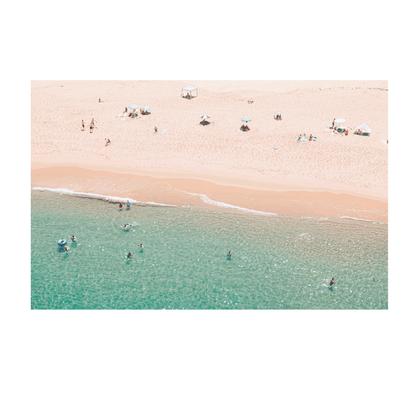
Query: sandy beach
x=264, y=169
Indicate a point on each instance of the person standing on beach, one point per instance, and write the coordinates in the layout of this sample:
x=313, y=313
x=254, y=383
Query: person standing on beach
x=333, y=123
x=83, y=125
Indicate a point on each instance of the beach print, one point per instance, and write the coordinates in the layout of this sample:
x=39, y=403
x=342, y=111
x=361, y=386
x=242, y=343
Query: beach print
x=209, y=195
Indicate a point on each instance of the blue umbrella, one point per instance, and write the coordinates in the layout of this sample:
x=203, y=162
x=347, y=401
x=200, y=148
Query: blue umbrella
x=246, y=119
x=146, y=109
x=134, y=106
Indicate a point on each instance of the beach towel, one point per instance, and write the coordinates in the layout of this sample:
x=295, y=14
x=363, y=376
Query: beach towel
x=240, y=130
x=164, y=131
x=275, y=148
x=122, y=119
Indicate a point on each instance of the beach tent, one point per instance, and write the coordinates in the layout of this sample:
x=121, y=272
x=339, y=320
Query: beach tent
x=190, y=90
x=363, y=127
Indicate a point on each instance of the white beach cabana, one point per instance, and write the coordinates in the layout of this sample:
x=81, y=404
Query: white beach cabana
x=189, y=90
x=363, y=127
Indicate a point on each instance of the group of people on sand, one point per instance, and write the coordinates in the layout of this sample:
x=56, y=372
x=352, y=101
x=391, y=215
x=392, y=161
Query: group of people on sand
x=92, y=125
x=304, y=136
x=204, y=122
x=244, y=128
x=339, y=130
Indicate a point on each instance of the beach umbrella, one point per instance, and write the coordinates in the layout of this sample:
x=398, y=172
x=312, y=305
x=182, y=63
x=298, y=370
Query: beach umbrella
x=339, y=121
x=146, y=109
x=246, y=119
x=133, y=107
x=205, y=116
x=276, y=114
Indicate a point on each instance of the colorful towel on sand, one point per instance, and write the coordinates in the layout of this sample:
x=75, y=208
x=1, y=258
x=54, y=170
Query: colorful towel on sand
x=164, y=131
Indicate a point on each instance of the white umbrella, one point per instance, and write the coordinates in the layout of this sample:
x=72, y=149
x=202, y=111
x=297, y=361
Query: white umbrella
x=134, y=106
x=146, y=109
x=339, y=121
x=246, y=119
x=205, y=116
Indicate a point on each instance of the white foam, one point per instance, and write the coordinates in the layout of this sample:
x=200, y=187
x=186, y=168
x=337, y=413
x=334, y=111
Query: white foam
x=358, y=219
x=208, y=200
x=109, y=197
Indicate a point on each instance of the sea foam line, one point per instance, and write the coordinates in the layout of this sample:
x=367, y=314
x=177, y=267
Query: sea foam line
x=210, y=201
x=68, y=191
x=358, y=219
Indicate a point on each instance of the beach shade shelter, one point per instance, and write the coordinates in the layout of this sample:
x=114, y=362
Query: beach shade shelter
x=246, y=119
x=146, y=109
x=363, y=127
x=277, y=115
x=190, y=90
x=205, y=116
x=339, y=121
x=133, y=106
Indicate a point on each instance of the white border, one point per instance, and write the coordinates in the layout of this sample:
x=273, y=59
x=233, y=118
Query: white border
x=391, y=317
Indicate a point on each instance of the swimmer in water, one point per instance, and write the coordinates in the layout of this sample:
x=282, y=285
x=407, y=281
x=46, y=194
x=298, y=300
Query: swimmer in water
x=141, y=246
x=120, y=206
x=66, y=249
x=229, y=254
x=128, y=204
x=129, y=255
x=332, y=282
x=126, y=226
x=73, y=238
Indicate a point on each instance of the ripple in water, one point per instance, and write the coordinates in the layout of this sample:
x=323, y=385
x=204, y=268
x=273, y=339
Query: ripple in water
x=277, y=263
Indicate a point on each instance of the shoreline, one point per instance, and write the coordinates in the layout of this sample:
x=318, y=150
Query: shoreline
x=192, y=191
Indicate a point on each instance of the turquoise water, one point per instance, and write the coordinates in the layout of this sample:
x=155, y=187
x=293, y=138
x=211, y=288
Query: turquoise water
x=278, y=262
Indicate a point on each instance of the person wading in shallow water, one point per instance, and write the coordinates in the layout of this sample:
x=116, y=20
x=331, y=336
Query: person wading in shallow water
x=332, y=282
x=129, y=255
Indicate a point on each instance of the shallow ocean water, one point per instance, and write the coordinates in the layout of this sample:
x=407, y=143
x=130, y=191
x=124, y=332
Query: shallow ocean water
x=278, y=262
